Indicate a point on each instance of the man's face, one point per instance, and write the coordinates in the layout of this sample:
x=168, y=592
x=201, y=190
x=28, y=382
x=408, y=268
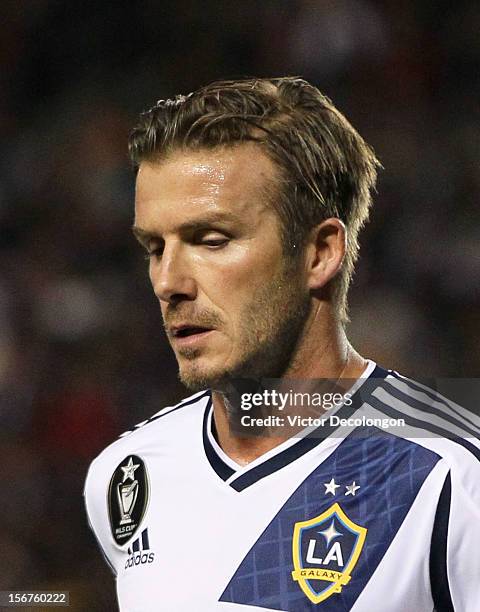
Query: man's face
x=232, y=304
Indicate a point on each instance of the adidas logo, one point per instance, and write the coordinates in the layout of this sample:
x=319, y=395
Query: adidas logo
x=138, y=552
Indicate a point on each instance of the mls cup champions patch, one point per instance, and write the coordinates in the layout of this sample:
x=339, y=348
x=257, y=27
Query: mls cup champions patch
x=127, y=498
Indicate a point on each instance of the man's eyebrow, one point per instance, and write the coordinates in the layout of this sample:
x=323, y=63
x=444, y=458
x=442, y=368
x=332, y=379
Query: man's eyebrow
x=144, y=236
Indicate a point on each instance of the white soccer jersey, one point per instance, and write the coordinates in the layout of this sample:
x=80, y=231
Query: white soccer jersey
x=363, y=519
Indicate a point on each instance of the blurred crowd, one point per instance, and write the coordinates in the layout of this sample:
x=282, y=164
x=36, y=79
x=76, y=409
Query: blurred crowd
x=82, y=351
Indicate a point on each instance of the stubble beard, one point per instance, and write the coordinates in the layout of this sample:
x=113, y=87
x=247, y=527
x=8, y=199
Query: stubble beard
x=271, y=327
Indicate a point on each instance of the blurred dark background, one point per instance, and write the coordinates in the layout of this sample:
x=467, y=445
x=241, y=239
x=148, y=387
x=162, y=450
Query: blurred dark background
x=82, y=352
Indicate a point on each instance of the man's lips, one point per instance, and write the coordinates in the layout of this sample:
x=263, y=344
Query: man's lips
x=187, y=329
x=188, y=334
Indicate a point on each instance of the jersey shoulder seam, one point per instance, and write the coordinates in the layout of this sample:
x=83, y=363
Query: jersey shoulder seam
x=188, y=401
x=164, y=412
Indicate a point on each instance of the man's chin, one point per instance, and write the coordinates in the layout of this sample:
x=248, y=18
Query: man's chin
x=196, y=378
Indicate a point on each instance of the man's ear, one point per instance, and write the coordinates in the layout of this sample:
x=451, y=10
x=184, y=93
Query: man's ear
x=326, y=250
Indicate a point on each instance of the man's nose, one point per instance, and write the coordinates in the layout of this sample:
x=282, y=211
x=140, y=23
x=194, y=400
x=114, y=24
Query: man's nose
x=171, y=275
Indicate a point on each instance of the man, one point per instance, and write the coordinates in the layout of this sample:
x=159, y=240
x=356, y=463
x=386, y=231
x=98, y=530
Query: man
x=249, y=199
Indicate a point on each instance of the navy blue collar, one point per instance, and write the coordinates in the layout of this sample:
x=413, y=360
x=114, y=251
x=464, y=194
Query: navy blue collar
x=296, y=450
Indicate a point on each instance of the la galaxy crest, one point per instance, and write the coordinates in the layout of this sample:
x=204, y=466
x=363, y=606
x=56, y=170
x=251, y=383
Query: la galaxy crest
x=127, y=498
x=325, y=551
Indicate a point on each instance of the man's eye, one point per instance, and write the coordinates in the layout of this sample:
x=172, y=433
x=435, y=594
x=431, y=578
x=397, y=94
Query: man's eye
x=215, y=242
x=154, y=253
x=212, y=239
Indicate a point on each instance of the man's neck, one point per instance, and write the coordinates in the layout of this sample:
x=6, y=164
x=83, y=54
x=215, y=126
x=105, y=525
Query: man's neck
x=326, y=355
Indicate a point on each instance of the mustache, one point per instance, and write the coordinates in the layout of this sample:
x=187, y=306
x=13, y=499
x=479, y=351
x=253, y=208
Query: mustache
x=195, y=318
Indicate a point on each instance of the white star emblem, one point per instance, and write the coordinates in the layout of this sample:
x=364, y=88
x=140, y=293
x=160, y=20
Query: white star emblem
x=351, y=489
x=129, y=469
x=331, y=533
x=330, y=487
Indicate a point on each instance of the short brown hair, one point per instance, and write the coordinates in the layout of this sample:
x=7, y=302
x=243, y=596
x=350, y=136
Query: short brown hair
x=328, y=170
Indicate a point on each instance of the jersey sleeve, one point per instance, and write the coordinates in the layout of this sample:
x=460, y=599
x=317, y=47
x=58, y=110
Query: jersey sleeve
x=97, y=513
x=455, y=551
